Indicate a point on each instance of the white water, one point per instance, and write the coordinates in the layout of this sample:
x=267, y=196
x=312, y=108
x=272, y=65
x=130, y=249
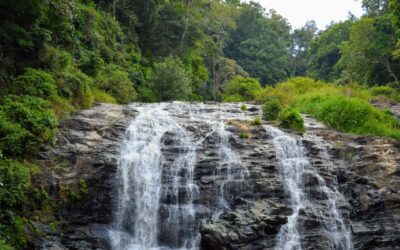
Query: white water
x=137, y=222
x=294, y=164
x=230, y=169
x=142, y=167
x=140, y=171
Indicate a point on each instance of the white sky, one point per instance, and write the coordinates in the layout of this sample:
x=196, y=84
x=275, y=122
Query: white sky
x=298, y=12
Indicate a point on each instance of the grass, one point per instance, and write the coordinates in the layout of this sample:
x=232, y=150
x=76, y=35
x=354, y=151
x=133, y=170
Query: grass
x=256, y=122
x=345, y=108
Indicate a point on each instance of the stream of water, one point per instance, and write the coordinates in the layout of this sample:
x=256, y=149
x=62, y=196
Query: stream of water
x=156, y=193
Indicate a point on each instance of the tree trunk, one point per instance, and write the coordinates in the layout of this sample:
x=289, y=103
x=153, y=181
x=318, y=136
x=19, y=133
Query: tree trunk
x=386, y=63
x=114, y=8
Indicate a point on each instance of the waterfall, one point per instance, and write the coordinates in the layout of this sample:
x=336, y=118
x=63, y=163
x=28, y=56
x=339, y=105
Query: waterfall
x=230, y=168
x=140, y=170
x=163, y=199
x=294, y=165
x=156, y=195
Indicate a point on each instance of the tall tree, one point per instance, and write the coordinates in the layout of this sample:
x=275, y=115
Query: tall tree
x=324, y=52
x=260, y=43
x=301, y=41
x=367, y=55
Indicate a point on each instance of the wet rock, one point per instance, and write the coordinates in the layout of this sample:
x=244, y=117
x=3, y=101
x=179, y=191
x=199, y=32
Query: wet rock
x=79, y=173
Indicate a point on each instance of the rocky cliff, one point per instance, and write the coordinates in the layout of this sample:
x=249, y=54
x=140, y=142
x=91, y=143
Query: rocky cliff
x=240, y=204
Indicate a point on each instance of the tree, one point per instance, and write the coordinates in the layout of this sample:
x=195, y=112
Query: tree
x=375, y=7
x=260, y=43
x=367, y=55
x=324, y=52
x=241, y=89
x=301, y=41
x=170, y=81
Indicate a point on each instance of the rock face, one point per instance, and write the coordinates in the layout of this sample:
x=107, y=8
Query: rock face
x=252, y=205
x=79, y=174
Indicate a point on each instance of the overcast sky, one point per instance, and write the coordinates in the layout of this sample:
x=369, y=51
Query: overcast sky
x=298, y=12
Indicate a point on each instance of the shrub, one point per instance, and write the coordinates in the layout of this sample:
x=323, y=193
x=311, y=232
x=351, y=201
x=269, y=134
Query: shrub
x=290, y=118
x=383, y=90
x=5, y=246
x=76, y=87
x=256, y=121
x=146, y=94
x=35, y=83
x=170, y=81
x=246, y=88
x=244, y=135
x=26, y=121
x=57, y=59
x=271, y=109
x=243, y=107
x=114, y=81
x=101, y=96
x=15, y=181
x=351, y=115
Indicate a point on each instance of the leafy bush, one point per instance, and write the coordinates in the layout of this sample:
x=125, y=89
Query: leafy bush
x=170, y=81
x=243, y=107
x=115, y=81
x=351, y=115
x=35, y=83
x=5, y=246
x=26, y=121
x=14, y=182
x=290, y=118
x=271, y=109
x=256, y=121
x=76, y=87
x=146, y=94
x=101, y=96
x=245, y=88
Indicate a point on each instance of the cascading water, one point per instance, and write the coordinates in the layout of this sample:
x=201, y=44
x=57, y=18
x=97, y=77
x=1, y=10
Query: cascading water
x=230, y=167
x=160, y=204
x=294, y=165
x=144, y=189
x=140, y=172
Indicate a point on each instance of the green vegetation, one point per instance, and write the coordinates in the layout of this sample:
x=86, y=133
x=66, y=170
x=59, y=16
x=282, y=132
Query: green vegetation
x=290, y=118
x=257, y=121
x=60, y=56
x=241, y=89
x=271, y=109
x=346, y=108
x=351, y=115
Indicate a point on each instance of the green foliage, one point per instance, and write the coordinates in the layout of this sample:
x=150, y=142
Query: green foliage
x=146, y=94
x=241, y=89
x=257, y=121
x=324, y=52
x=260, y=43
x=385, y=92
x=170, y=81
x=350, y=115
x=367, y=57
x=290, y=118
x=243, y=107
x=35, y=83
x=116, y=82
x=14, y=182
x=244, y=135
x=5, y=246
x=271, y=109
x=101, y=96
x=26, y=123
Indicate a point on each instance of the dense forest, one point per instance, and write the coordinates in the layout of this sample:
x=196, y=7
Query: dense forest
x=59, y=56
